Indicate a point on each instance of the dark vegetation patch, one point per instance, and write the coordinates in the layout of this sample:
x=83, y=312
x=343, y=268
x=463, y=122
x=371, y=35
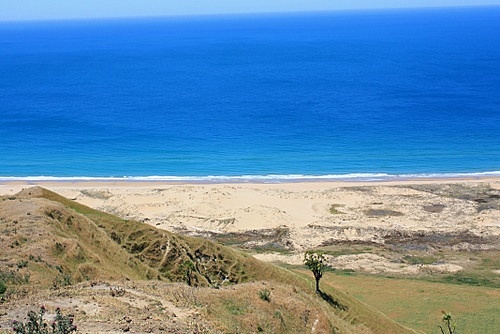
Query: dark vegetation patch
x=382, y=213
x=402, y=240
x=14, y=276
x=365, y=189
x=486, y=197
x=470, y=279
x=334, y=209
x=411, y=259
x=98, y=194
x=266, y=240
x=347, y=243
x=422, y=240
x=434, y=208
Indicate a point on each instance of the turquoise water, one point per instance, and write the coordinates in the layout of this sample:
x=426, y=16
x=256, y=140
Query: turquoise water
x=369, y=95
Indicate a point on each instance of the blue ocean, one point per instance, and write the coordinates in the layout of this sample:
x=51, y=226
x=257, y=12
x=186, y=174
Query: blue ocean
x=349, y=94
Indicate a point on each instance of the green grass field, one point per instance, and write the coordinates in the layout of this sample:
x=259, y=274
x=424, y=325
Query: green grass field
x=418, y=304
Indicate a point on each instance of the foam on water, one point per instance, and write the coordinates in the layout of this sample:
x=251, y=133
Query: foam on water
x=365, y=177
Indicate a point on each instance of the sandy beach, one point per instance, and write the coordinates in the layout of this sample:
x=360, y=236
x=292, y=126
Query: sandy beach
x=297, y=216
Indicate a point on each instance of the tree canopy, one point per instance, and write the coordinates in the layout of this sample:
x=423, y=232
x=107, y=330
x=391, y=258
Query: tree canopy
x=316, y=262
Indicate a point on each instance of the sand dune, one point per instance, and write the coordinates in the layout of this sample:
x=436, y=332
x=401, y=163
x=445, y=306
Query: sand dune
x=312, y=214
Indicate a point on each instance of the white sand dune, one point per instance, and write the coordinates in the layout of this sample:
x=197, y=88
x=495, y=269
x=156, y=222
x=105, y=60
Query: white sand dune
x=364, y=211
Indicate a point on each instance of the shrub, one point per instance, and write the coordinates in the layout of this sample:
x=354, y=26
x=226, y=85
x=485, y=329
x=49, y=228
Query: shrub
x=14, y=277
x=334, y=209
x=188, y=268
x=116, y=291
x=36, y=325
x=59, y=247
x=449, y=326
x=22, y=264
x=35, y=259
x=3, y=287
x=265, y=295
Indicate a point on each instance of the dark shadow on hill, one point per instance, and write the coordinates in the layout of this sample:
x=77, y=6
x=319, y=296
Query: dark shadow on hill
x=329, y=299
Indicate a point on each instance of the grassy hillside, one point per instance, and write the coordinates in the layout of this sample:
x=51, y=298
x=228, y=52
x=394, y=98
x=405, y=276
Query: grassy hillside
x=52, y=242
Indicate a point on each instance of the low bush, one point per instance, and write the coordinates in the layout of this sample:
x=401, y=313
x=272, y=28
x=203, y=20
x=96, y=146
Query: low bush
x=3, y=287
x=62, y=324
x=265, y=295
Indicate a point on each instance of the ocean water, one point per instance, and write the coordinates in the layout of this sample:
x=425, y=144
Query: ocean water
x=366, y=94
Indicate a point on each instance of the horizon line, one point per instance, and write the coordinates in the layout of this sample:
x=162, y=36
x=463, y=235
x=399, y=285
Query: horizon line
x=250, y=13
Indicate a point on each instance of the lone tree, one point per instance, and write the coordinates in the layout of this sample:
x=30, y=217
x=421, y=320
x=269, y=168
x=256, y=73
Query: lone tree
x=188, y=268
x=316, y=262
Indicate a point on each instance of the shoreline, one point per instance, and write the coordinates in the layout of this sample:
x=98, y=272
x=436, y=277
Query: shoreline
x=306, y=182
x=262, y=178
